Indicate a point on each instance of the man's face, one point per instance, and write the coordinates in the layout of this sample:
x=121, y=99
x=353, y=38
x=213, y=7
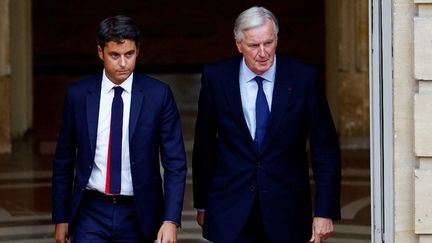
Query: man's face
x=258, y=47
x=119, y=59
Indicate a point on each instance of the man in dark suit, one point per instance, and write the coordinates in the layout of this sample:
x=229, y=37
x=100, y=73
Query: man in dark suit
x=250, y=168
x=107, y=185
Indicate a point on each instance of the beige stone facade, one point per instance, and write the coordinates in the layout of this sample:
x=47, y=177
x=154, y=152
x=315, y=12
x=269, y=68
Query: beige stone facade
x=412, y=95
x=422, y=50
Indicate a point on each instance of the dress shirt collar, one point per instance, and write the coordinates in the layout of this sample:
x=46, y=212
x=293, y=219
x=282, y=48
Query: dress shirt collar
x=107, y=85
x=248, y=75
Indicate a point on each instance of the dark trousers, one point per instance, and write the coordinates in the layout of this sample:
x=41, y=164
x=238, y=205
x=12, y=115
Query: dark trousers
x=254, y=230
x=101, y=220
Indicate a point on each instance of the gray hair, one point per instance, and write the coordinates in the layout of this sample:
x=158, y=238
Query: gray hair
x=251, y=18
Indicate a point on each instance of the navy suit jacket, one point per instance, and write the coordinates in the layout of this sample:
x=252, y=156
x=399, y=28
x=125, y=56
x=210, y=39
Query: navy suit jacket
x=154, y=130
x=228, y=171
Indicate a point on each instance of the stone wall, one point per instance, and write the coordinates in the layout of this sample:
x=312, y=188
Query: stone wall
x=423, y=120
x=412, y=95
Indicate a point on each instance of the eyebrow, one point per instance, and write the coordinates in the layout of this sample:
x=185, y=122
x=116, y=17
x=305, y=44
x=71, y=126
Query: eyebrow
x=127, y=52
x=257, y=43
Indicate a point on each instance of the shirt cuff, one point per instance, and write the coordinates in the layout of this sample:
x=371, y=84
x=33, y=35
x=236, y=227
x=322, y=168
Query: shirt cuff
x=169, y=221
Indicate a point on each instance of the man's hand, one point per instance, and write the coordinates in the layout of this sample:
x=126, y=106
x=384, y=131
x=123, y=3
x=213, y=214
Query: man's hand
x=61, y=233
x=200, y=218
x=322, y=228
x=167, y=233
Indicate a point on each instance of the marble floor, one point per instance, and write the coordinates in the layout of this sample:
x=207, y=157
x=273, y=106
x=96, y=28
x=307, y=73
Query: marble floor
x=25, y=181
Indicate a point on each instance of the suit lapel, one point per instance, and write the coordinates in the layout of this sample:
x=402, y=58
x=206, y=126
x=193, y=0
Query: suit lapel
x=136, y=103
x=92, y=104
x=232, y=92
x=282, y=93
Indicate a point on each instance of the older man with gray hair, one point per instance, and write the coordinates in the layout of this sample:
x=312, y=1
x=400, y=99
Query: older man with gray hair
x=250, y=169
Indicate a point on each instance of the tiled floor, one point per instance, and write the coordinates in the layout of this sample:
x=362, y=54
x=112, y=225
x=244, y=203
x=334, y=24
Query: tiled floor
x=25, y=177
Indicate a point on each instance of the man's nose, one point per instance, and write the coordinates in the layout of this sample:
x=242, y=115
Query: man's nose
x=122, y=61
x=261, y=51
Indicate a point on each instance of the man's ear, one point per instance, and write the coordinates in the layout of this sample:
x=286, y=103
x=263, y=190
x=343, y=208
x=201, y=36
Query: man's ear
x=238, y=44
x=100, y=52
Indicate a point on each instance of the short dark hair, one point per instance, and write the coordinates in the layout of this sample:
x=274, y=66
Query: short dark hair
x=117, y=29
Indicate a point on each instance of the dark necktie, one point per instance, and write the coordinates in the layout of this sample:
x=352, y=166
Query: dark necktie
x=113, y=183
x=262, y=113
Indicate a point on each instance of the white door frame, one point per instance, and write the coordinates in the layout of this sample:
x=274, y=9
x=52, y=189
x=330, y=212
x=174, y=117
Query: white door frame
x=381, y=120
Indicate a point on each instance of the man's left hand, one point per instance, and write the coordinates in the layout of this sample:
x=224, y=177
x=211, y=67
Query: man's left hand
x=167, y=233
x=322, y=228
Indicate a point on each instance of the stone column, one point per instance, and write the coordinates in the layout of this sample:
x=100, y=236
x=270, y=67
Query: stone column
x=21, y=71
x=5, y=76
x=347, y=71
x=423, y=119
x=404, y=87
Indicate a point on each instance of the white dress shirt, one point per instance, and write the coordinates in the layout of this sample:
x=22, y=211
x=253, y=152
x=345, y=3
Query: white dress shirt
x=249, y=90
x=98, y=175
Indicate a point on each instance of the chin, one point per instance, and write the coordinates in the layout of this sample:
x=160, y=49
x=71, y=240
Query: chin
x=263, y=69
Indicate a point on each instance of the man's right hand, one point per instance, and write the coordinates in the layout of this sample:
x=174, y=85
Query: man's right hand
x=61, y=233
x=200, y=218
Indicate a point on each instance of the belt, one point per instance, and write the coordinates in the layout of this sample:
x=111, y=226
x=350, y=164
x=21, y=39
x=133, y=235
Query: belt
x=116, y=199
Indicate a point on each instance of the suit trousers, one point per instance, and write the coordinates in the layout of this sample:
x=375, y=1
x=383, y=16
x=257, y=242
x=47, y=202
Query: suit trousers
x=103, y=221
x=254, y=230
